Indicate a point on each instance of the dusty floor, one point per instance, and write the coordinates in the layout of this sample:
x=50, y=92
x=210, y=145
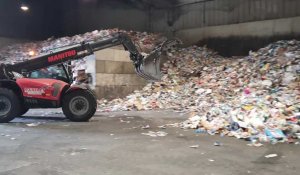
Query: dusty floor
x=112, y=143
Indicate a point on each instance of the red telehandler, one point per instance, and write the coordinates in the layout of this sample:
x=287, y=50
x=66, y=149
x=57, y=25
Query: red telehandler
x=21, y=89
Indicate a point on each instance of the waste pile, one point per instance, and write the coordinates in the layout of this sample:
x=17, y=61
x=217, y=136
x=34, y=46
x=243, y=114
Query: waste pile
x=256, y=97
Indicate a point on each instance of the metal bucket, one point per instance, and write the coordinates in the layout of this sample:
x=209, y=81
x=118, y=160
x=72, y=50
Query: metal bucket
x=150, y=69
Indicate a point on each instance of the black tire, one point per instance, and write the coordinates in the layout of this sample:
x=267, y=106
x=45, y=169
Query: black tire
x=79, y=105
x=24, y=110
x=9, y=105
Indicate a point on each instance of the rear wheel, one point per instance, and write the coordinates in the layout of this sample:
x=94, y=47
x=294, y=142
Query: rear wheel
x=9, y=105
x=79, y=105
x=24, y=110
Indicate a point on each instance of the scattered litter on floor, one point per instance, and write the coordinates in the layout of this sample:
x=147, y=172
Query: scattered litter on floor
x=33, y=124
x=156, y=134
x=218, y=143
x=75, y=152
x=8, y=136
x=162, y=127
x=200, y=131
x=255, y=144
x=271, y=156
x=123, y=121
x=194, y=146
x=145, y=127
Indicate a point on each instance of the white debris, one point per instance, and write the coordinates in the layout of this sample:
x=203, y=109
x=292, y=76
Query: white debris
x=271, y=156
x=156, y=134
x=194, y=146
x=33, y=124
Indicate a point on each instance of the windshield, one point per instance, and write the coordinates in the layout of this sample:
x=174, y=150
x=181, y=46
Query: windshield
x=53, y=72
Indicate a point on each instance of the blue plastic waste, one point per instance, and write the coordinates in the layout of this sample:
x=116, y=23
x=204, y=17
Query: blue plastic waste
x=276, y=134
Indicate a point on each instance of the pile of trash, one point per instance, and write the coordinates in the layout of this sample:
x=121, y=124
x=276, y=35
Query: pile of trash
x=256, y=97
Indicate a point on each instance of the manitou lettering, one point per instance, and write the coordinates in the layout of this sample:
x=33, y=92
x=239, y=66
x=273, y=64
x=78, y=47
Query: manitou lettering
x=61, y=56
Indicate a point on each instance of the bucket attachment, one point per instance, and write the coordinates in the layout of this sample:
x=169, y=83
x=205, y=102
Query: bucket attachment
x=149, y=69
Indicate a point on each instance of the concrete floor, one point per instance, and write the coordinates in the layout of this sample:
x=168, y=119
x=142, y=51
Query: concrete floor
x=112, y=143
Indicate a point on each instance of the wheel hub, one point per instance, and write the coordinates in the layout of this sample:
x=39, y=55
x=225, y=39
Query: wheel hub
x=79, y=105
x=5, y=105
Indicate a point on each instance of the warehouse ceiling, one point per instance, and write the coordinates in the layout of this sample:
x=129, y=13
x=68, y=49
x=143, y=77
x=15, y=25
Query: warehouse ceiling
x=45, y=18
x=154, y=3
x=141, y=4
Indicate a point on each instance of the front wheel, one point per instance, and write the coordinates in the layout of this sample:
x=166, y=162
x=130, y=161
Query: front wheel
x=9, y=105
x=23, y=110
x=79, y=105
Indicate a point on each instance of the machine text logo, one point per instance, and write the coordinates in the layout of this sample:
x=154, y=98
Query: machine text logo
x=34, y=91
x=61, y=56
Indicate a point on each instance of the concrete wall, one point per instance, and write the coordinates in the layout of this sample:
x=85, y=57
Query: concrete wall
x=239, y=39
x=115, y=75
x=202, y=13
x=231, y=27
x=267, y=28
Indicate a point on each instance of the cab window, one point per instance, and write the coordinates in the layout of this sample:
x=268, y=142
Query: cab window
x=54, y=72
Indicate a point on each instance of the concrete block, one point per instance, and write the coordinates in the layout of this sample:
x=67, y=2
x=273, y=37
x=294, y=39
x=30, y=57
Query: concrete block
x=121, y=55
x=129, y=79
x=119, y=79
x=114, y=67
x=100, y=66
x=113, y=55
x=105, y=79
x=128, y=68
x=106, y=54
